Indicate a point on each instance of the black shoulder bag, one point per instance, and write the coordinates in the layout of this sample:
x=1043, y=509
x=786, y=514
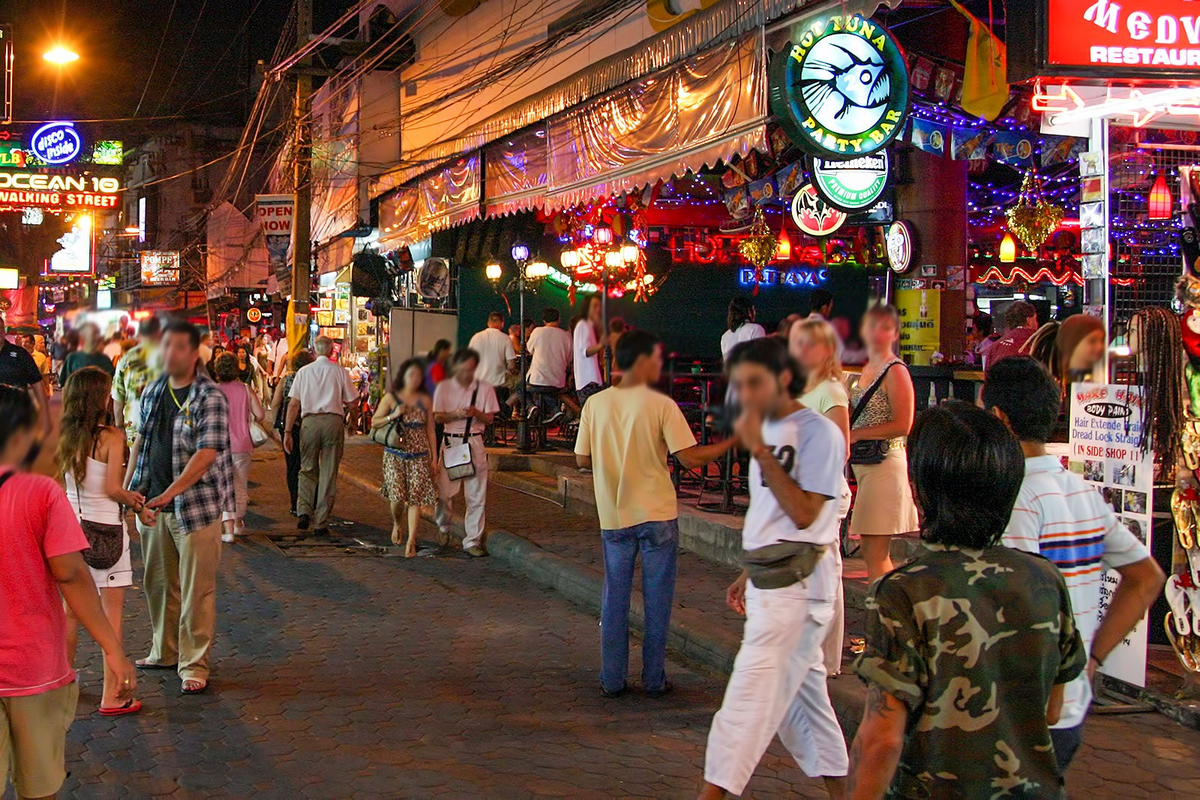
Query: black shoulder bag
x=390, y=435
x=869, y=451
x=106, y=542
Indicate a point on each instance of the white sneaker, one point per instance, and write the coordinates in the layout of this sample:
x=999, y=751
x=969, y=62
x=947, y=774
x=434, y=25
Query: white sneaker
x=227, y=538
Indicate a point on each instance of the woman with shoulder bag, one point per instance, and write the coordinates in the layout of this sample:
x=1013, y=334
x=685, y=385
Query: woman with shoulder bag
x=403, y=423
x=881, y=415
x=244, y=410
x=91, y=461
x=280, y=405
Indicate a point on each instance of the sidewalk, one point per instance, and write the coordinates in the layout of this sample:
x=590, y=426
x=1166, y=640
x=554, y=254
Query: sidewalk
x=536, y=530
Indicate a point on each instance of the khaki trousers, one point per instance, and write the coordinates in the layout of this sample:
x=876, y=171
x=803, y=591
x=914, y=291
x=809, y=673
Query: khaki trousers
x=322, y=438
x=181, y=592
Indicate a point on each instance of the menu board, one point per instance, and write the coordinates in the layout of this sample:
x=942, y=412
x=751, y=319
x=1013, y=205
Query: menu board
x=1106, y=424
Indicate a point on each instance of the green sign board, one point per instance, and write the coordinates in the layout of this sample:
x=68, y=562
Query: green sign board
x=841, y=90
x=108, y=151
x=851, y=185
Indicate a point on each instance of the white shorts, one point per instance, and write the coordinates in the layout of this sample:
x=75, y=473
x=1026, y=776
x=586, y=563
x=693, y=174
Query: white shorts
x=119, y=575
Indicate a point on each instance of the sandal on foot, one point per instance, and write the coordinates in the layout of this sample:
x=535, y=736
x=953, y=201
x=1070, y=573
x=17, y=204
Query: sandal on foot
x=132, y=707
x=145, y=663
x=193, y=686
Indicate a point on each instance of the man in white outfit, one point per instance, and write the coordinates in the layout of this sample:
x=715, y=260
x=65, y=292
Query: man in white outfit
x=778, y=683
x=465, y=406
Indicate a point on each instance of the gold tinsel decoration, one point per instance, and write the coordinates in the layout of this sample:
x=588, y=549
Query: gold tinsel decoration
x=1032, y=219
x=759, y=246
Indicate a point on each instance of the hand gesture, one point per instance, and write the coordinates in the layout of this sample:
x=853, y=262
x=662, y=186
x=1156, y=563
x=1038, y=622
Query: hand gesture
x=125, y=674
x=160, y=502
x=748, y=429
x=735, y=595
x=147, y=516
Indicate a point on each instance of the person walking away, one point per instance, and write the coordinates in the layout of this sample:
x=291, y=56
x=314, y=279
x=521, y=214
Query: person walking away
x=41, y=569
x=626, y=433
x=62, y=346
x=244, y=409
x=550, y=353
x=17, y=368
x=91, y=463
x=820, y=303
x=465, y=406
x=89, y=354
x=969, y=645
x=114, y=347
x=1059, y=516
x=741, y=325
x=437, y=365
x=135, y=371
x=1020, y=323
x=181, y=461
x=787, y=591
x=589, y=347
x=279, y=407
x=497, y=360
x=881, y=403
x=319, y=397
x=408, y=470
x=814, y=347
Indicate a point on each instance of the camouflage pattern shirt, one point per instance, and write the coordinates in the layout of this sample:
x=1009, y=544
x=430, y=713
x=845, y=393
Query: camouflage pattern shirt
x=972, y=642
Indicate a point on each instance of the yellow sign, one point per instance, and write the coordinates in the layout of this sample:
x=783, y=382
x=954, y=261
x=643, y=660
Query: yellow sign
x=920, y=324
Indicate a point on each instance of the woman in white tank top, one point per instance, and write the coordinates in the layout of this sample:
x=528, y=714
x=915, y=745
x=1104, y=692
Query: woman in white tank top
x=91, y=459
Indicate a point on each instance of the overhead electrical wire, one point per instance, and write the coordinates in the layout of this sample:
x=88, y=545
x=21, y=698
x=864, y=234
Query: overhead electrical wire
x=182, y=55
x=158, y=54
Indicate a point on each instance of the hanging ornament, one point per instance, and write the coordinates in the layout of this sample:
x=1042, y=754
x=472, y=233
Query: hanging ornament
x=759, y=246
x=1033, y=219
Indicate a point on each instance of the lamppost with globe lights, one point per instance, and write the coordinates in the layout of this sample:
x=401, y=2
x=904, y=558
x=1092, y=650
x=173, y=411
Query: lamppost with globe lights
x=531, y=274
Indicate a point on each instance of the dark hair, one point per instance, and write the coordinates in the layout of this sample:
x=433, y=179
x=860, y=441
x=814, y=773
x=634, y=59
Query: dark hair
x=1017, y=313
x=967, y=469
x=302, y=359
x=225, y=368
x=440, y=346
x=495, y=316
x=819, y=298
x=740, y=311
x=1027, y=394
x=185, y=328
x=984, y=324
x=550, y=314
x=398, y=379
x=17, y=412
x=463, y=355
x=884, y=311
x=769, y=352
x=150, y=326
x=633, y=345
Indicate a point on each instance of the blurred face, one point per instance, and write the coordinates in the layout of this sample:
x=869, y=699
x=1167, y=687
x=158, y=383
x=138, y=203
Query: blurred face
x=464, y=373
x=879, y=333
x=20, y=443
x=649, y=368
x=812, y=355
x=413, y=378
x=179, y=357
x=594, y=310
x=757, y=388
x=1089, y=351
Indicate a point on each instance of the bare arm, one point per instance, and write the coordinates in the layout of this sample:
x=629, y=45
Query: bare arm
x=902, y=401
x=197, y=465
x=583, y=462
x=840, y=416
x=293, y=415
x=119, y=413
x=256, y=407
x=383, y=414
x=1140, y=584
x=1055, y=704
x=38, y=392
x=876, y=751
x=431, y=434
x=277, y=398
x=697, y=456
x=113, y=443
x=79, y=591
x=133, y=457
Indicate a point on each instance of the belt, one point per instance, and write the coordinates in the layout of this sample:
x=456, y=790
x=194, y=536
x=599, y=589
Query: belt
x=472, y=435
x=321, y=414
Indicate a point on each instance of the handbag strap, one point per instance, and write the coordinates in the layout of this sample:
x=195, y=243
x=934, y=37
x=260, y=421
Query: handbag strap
x=861, y=406
x=471, y=420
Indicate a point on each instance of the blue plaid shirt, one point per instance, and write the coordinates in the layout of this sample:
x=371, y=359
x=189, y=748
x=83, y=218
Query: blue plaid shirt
x=203, y=424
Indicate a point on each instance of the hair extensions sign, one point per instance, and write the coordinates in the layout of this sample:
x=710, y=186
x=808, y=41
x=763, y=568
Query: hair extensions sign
x=842, y=89
x=1106, y=426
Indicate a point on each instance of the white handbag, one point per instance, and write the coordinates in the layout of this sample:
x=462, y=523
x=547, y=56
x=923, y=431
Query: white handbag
x=456, y=459
x=258, y=436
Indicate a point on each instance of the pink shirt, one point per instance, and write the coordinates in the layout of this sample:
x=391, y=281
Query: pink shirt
x=451, y=395
x=39, y=524
x=238, y=396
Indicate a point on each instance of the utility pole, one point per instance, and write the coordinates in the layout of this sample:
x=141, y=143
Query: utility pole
x=301, y=221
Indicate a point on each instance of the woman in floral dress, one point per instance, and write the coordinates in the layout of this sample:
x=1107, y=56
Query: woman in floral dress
x=408, y=470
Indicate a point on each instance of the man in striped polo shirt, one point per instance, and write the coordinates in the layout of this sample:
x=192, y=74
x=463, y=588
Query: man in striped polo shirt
x=1064, y=519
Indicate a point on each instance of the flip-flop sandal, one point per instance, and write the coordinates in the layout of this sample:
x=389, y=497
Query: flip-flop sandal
x=132, y=707
x=142, y=663
x=201, y=686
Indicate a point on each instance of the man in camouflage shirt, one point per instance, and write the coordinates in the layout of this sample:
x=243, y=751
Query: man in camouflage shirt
x=136, y=369
x=968, y=646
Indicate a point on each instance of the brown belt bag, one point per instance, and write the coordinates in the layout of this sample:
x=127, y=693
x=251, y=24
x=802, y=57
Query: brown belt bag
x=782, y=564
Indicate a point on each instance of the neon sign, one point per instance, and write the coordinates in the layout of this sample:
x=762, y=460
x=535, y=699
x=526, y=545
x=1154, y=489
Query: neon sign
x=796, y=278
x=38, y=190
x=56, y=143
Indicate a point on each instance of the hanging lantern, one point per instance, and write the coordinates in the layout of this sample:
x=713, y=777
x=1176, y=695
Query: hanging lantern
x=759, y=246
x=570, y=260
x=785, y=247
x=1032, y=219
x=1159, y=201
x=603, y=235
x=1008, y=249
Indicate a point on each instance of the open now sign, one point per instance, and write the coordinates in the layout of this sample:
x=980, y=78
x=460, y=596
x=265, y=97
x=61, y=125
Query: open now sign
x=274, y=213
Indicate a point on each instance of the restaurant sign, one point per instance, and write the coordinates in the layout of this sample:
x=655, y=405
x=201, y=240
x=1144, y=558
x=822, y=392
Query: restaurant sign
x=160, y=267
x=1130, y=39
x=842, y=89
x=851, y=185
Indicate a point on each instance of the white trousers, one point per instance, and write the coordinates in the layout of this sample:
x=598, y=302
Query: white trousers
x=836, y=635
x=778, y=685
x=475, y=489
x=241, y=486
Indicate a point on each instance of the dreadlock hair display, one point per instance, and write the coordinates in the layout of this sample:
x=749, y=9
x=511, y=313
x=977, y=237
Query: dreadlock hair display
x=1157, y=346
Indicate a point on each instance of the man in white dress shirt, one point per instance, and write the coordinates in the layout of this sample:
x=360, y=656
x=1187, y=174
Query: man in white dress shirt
x=497, y=359
x=321, y=394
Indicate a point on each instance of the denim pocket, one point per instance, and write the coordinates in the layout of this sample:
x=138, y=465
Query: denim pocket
x=660, y=534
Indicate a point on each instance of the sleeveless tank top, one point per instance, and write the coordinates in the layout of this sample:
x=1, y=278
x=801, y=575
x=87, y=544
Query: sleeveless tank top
x=93, y=503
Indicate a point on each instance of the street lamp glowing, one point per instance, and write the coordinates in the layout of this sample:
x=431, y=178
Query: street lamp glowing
x=493, y=272
x=60, y=55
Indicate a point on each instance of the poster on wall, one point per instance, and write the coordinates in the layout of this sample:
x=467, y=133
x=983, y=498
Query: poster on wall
x=920, y=324
x=1106, y=422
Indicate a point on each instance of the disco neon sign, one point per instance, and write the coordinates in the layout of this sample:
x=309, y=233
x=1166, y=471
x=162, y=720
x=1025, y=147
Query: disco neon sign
x=56, y=143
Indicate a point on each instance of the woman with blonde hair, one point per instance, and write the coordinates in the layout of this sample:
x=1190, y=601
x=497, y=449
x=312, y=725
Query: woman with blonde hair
x=91, y=460
x=813, y=343
x=882, y=404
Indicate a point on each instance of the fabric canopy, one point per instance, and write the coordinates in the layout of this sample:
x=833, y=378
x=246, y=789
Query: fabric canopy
x=446, y=197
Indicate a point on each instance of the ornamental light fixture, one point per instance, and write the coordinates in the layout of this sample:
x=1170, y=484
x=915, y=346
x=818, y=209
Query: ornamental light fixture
x=537, y=271
x=613, y=260
x=493, y=272
x=1159, y=200
x=602, y=235
x=571, y=259
x=1008, y=249
x=520, y=251
x=630, y=253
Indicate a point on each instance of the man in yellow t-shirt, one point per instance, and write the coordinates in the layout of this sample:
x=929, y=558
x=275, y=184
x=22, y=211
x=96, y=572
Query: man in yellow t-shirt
x=626, y=434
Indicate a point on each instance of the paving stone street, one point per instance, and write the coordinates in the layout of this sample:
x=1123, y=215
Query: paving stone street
x=340, y=672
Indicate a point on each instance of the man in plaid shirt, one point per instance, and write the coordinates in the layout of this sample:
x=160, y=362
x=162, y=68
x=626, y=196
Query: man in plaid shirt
x=180, y=460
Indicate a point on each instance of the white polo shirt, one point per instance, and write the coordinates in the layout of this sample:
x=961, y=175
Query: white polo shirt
x=322, y=387
x=587, y=368
x=550, y=350
x=495, y=351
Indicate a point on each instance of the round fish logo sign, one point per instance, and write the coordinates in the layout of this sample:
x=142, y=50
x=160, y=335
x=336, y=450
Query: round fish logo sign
x=56, y=143
x=842, y=89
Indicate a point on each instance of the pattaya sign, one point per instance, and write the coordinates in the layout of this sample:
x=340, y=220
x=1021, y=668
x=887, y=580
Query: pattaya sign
x=842, y=89
x=796, y=278
x=37, y=190
x=851, y=185
x=813, y=215
x=56, y=143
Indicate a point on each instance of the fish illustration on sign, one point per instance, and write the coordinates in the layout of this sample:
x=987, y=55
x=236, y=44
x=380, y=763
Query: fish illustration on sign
x=845, y=84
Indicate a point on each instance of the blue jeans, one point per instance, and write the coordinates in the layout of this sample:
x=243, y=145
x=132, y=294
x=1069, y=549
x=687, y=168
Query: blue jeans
x=1066, y=745
x=659, y=545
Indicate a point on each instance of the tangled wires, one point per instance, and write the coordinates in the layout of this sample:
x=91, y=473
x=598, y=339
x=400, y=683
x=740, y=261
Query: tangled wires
x=1157, y=346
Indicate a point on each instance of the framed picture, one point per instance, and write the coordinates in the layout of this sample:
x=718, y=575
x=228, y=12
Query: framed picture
x=1091, y=164
x=1094, y=241
x=929, y=270
x=1091, y=215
